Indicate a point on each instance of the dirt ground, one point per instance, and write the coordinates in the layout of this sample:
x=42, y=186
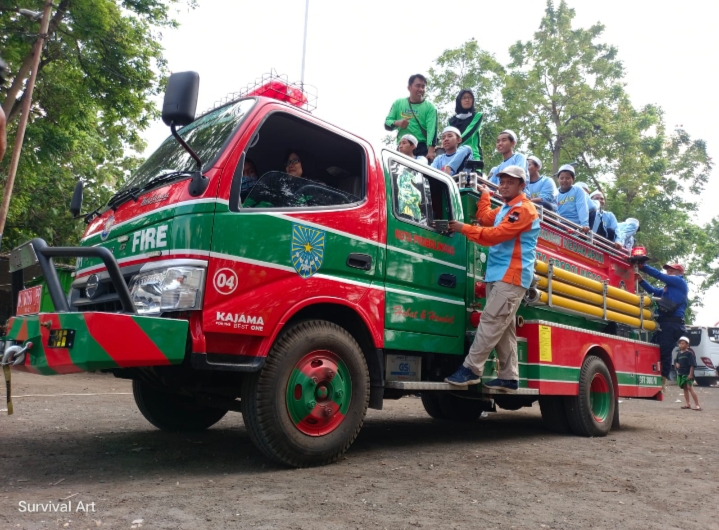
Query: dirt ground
x=81, y=439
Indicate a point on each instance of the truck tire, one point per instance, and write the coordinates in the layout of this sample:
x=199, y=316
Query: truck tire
x=591, y=412
x=171, y=412
x=307, y=404
x=430, y=401
x=702, y=381
x=460, y=409
x=554, y=415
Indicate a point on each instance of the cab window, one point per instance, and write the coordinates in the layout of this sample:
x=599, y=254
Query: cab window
x=418, y=198
x=299, y=165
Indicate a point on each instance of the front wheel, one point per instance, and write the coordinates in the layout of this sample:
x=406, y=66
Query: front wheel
x=172, y=412
x=592, y=411
x=307, y=404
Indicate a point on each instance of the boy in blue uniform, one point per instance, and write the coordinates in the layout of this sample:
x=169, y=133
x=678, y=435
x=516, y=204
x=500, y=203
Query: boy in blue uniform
x=571, y=200
x=605, y=223
x=672, y=305
x=506, y=141
x=455, y=155
x=540, y=189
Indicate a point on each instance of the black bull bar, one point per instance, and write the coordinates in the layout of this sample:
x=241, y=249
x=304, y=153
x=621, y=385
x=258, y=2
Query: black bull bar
x=38, y=251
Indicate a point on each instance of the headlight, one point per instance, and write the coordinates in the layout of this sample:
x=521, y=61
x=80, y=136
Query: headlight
x=169, y=289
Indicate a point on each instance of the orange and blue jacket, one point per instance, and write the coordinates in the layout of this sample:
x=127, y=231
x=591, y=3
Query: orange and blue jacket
x=511, y=233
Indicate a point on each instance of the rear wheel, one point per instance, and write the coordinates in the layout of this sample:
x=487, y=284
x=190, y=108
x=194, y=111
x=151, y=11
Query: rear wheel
x=460, y=409
x=703, y=382
x=430, y=401
x=307, y=404
x=591, y=412
x=172, y=412
x=554, y=415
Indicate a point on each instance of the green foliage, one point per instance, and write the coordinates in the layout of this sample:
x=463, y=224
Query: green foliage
x=563, y=92
x=100, y=66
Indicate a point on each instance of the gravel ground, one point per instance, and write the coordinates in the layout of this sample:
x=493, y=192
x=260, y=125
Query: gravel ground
x=80, y=439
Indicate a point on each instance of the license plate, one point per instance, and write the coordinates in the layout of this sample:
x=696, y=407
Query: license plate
x=28, y=301
x=403, y=368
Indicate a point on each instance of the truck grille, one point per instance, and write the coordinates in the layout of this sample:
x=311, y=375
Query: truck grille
x=105, y=299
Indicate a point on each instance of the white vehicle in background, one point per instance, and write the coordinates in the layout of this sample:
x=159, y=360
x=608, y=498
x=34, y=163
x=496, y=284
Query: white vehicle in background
x=704, y=342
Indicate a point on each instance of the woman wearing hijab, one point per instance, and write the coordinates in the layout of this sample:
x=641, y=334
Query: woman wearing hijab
x=468, y=121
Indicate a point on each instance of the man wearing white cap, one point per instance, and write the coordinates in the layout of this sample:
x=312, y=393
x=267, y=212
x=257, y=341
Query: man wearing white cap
x=455, y=155
x=540, y=189
x=407, y=144
x=605, y=223
x=506, y=141
x=571, y=200
x=511, y=234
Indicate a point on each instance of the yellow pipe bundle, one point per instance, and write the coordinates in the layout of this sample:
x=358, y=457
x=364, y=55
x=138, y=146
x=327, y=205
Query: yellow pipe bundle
x=581, y=307
x=592, y=285
x=590, y=297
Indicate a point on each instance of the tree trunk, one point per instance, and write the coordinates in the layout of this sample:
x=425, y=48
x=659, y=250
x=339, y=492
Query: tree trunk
x=11, y=96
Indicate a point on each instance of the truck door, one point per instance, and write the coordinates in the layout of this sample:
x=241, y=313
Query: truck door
x=304, y=231
x=426, y=270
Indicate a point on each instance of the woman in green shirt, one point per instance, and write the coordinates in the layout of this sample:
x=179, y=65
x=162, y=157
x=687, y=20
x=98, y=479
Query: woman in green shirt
x=468, y=121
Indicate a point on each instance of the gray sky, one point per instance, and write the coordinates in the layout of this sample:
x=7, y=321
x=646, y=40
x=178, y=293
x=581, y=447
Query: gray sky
x=360, y=54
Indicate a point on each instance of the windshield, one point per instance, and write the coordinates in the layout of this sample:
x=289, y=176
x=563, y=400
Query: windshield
x=206, y=136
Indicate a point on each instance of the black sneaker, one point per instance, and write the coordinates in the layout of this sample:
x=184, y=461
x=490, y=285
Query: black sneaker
x=504, y=385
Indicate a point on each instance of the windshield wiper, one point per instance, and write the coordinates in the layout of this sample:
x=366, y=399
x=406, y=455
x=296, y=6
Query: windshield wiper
x=166, y=177
x=122, y=196
x=133, y=193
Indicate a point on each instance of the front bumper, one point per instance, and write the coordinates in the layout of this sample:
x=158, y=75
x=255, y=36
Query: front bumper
x=99, y=341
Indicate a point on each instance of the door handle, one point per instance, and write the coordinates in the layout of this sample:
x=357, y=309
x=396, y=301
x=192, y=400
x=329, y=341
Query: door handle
x=448, y=280
x=359, y=261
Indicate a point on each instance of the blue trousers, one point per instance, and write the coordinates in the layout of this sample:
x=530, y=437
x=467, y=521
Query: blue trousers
x=667, y=340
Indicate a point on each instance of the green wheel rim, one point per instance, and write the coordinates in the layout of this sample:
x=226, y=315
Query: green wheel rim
x=318, y=393
x=600, y=399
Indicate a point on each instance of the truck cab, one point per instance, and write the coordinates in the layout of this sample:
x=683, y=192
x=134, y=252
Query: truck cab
x=322, y=285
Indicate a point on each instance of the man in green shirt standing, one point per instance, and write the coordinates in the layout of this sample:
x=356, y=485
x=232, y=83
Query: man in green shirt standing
x=416, y=116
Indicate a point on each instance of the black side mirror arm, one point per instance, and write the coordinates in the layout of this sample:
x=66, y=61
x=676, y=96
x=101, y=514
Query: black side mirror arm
x=199, y=182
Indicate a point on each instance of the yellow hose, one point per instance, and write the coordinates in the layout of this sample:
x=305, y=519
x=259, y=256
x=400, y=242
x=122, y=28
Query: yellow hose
x=587, y=309
x=592, y=285
x=592, y=298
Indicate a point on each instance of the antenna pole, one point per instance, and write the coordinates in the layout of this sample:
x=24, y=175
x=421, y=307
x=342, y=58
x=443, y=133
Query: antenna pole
x=304, y=41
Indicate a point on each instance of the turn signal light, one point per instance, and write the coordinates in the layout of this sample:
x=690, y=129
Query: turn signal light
x=480, y=290
x=474, y=318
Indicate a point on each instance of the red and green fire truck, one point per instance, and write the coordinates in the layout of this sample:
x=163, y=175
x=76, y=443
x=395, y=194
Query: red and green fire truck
x=302, y=300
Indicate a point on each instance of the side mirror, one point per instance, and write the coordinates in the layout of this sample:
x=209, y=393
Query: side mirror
x=180, y=103
x=76, y=203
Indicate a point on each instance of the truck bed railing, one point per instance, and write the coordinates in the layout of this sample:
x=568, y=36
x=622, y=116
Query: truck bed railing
x=547, y=217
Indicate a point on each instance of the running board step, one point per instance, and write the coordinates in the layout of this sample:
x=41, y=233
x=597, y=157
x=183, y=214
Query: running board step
x=431, y=385
x=422, y=385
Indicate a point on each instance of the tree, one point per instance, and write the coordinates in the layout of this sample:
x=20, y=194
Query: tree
x=100, y=66
x=563, y=92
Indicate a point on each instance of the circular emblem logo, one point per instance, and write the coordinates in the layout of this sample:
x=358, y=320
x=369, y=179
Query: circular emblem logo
x=108, y=226
x=93, y=282
x=225, y=281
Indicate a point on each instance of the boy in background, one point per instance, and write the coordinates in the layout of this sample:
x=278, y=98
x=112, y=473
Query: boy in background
x=684, y=362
